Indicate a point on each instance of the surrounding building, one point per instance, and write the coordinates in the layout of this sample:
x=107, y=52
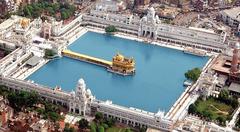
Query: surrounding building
x=24, y=2
x=46, y=30
x=40, y=126
x=232, y=18
x=6, y=6
x=151, y=28
x=110, y=5
x=6, y=112
x=141, y=2
x=200, y=5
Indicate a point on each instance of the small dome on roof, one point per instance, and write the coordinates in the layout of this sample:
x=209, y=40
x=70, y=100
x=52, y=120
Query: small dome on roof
x=81, y=81
x=89, y=92
x=119, y=57
x=237, y=45
x=151, y=9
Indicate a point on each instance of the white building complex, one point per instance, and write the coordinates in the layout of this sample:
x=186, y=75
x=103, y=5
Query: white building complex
x=151, y=27
x=81, y=101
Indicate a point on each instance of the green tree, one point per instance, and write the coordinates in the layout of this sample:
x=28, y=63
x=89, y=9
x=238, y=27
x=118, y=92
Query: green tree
x=110, y=122
x=193, y=74
x=98, y=116
x=110, y=29
x=22, y=100
x=4, y=91
x=56, y=6
x=93, y=127
x=54, y=116
x=64, y=15
x=128, y=130
x=34, y=10
x=192, y=109
x=105, y=126
x=50, y=10
x=234, y=102
x=101, y=129
x=67, y=128
x=221, y=120
x=143, y=129
x=83, y=124
x=224, y=94
x=49, y=53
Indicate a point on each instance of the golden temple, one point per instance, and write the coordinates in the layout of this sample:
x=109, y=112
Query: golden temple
x=123, y=65
x=119, y=64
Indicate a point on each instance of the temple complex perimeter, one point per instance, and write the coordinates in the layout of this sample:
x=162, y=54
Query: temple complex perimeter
x=30, y=39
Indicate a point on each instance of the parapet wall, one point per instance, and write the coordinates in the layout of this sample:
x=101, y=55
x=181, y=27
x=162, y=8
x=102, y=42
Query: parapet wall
x=45, y=92
x=131, y=116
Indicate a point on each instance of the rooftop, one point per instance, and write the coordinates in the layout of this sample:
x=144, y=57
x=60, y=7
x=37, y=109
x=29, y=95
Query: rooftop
x=33, y=61
x=234, y=87
x=8, y=23
x=233, y=13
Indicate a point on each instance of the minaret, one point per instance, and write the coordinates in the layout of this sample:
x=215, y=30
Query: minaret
x=235, y=59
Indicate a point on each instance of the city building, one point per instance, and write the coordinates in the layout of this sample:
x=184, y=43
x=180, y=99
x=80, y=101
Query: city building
x=230, y=68
x=222, y=3
x=2, y=54
x=110, y=5
x=232, y=18
x=46, y=30
x=6, y=6
x=24, y=2
x=6, y=112
x=141, y=2
x=40, y=126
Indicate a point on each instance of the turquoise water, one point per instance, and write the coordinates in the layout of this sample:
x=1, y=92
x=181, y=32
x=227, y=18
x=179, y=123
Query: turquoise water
x=157, y=84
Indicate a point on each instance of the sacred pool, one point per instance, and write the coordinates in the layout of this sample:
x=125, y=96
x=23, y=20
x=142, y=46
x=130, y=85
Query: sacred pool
x=156, y=84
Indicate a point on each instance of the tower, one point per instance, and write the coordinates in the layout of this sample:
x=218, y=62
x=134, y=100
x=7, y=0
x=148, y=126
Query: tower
x=149, y=25
x=234, y=75
x=46, y=30
x=235, y=59
x=81, y=99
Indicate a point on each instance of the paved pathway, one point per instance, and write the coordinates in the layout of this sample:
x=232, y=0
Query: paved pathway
x=231, y=124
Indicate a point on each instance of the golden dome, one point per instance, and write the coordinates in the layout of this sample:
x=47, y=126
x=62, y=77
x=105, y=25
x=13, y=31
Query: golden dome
x=24, y=22
x=119, y=57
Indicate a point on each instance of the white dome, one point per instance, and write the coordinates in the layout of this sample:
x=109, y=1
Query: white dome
x=144, y=18
x=72, y=93
x=151, y=9
x=89, y=92
x=237, y=45
x=81, y=81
